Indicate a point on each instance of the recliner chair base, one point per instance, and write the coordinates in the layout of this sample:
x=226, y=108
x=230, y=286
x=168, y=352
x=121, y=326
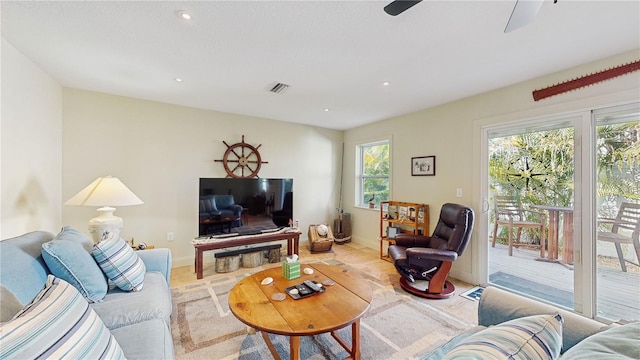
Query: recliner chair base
x=447, y=291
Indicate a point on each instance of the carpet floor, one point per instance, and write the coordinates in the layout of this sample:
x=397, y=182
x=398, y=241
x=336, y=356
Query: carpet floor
x=397, y=326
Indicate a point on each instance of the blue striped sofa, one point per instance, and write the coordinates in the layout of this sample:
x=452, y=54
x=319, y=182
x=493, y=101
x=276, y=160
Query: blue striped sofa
x=578, y=337
x=139, y=321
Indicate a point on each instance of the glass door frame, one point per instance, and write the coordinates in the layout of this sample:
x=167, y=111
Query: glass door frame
x=584, y=200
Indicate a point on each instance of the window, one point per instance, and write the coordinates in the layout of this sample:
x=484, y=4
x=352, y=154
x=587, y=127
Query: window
x=373, y=173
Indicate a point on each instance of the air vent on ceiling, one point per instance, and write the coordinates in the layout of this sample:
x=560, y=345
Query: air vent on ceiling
x=279, y=88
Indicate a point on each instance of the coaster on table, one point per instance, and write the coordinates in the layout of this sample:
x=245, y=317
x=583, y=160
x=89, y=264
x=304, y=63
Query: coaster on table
x=328, y=282
x=278, y=296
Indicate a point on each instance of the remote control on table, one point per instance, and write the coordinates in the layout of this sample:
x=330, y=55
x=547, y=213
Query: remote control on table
x=313, y=286
x=304, y=290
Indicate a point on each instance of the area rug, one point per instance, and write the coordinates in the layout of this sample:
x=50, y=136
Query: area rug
x=532, y=288
x=397, y=326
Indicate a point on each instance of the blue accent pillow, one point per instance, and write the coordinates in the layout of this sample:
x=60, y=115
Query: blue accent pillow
x=120, y=263
x=58, y=324
x=68, y=260
x=75, y=235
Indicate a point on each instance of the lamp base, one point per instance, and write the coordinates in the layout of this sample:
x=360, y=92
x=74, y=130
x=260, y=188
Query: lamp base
x=105, y=226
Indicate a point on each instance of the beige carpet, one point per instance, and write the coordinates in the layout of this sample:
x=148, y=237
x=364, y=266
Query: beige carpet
x=397, y=326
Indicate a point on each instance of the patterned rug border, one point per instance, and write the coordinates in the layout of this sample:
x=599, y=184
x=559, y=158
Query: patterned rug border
x=193, y=339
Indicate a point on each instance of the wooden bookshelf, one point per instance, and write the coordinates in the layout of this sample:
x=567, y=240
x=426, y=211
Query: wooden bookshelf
x=404, y=218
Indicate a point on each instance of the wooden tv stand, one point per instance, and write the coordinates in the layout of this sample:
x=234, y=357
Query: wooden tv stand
x=293, y=245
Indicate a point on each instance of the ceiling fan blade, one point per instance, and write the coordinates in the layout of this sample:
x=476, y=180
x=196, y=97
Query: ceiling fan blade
x=524, y=12
x=399, y=6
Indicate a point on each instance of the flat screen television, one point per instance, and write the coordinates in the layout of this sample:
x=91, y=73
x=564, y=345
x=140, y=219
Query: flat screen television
x=244, y=206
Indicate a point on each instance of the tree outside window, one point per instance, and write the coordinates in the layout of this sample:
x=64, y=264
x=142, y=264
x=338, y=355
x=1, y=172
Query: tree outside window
x=373, y=171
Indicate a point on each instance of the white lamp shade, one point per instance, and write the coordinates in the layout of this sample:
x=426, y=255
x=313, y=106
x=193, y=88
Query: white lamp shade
x=105, y=191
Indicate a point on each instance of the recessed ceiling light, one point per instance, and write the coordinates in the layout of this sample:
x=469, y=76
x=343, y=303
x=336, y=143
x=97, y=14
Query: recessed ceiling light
x=386, y=83
x=326, y=109
x=178, y=79
x=183, y=14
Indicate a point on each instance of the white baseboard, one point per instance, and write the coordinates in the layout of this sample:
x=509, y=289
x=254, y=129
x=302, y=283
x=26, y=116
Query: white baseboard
x=182, y=261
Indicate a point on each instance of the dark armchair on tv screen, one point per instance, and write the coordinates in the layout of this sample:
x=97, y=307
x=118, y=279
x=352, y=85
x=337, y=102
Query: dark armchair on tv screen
x=281, y=217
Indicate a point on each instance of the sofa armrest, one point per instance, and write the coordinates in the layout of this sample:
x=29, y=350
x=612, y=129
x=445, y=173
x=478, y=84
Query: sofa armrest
x=410, y=240
x=157, y=260
x=237, y=209
x=432, y=254
x=497, y=306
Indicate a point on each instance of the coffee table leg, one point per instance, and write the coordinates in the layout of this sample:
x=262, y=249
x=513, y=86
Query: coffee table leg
x=272, y=348
x=354, y=349
x=294, y=347
x=355, y=340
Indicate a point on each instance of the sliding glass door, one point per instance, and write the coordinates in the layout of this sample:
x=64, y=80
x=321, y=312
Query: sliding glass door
x=531, y=200
x=617, y=158
x=581, y=173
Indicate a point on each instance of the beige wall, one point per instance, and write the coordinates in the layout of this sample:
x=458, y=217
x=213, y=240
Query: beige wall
x=451, y=133
x=30, y=147
x=160, y=151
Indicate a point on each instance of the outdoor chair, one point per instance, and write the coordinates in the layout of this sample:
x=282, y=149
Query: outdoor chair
x=508, y=212
x=627, y=220
x=420, y=257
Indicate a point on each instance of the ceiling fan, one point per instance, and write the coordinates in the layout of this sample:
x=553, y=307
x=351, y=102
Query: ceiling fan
x=524, y=12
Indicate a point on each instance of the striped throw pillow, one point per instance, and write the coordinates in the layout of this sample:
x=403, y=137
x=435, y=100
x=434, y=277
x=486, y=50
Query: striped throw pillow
x=57, y=324
x=120, y=263
x=531, y=337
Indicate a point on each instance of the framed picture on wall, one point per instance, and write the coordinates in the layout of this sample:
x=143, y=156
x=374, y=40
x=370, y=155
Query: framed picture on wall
x=423, y=166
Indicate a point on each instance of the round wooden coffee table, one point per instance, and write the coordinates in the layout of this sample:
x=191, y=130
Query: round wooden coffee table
x=341, y=305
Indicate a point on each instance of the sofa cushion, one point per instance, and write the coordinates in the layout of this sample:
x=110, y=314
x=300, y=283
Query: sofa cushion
x=69, y=261
x=439, y=352
x=9, y=305
x=531, y=337
x=58, y=324
x=498, y=305
x=207, y=205
x=121, y=308
x=21, y=257
x=621, y=342
x=150, y=339
x=120, y=263
x=224, y=201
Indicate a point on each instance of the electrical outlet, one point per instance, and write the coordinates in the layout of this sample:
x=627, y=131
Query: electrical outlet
x=170, y=236
x=459, y=192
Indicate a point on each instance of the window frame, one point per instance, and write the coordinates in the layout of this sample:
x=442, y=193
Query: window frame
x=360, y=150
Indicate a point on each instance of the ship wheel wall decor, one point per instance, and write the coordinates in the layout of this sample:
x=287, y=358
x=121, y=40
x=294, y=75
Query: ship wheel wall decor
x=242, y=160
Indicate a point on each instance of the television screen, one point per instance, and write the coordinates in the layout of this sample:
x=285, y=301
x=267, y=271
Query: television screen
x=244, y=206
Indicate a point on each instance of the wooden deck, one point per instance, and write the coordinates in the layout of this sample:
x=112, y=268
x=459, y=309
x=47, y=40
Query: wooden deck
x=618, y=292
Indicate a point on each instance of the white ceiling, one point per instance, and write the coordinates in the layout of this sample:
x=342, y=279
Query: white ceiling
x=333, y=54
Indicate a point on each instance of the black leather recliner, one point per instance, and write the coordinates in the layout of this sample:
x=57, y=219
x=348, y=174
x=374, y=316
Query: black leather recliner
x=418, y=257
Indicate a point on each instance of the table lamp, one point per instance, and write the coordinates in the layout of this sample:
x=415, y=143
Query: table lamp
x=105, y=192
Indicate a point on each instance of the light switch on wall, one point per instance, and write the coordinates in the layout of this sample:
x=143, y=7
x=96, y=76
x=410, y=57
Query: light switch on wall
x=459, y=192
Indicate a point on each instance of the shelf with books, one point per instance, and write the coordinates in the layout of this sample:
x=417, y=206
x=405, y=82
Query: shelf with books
x=398, y=217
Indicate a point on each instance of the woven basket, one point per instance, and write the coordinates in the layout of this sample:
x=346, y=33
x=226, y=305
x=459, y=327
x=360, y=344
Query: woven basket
x=318, y=243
